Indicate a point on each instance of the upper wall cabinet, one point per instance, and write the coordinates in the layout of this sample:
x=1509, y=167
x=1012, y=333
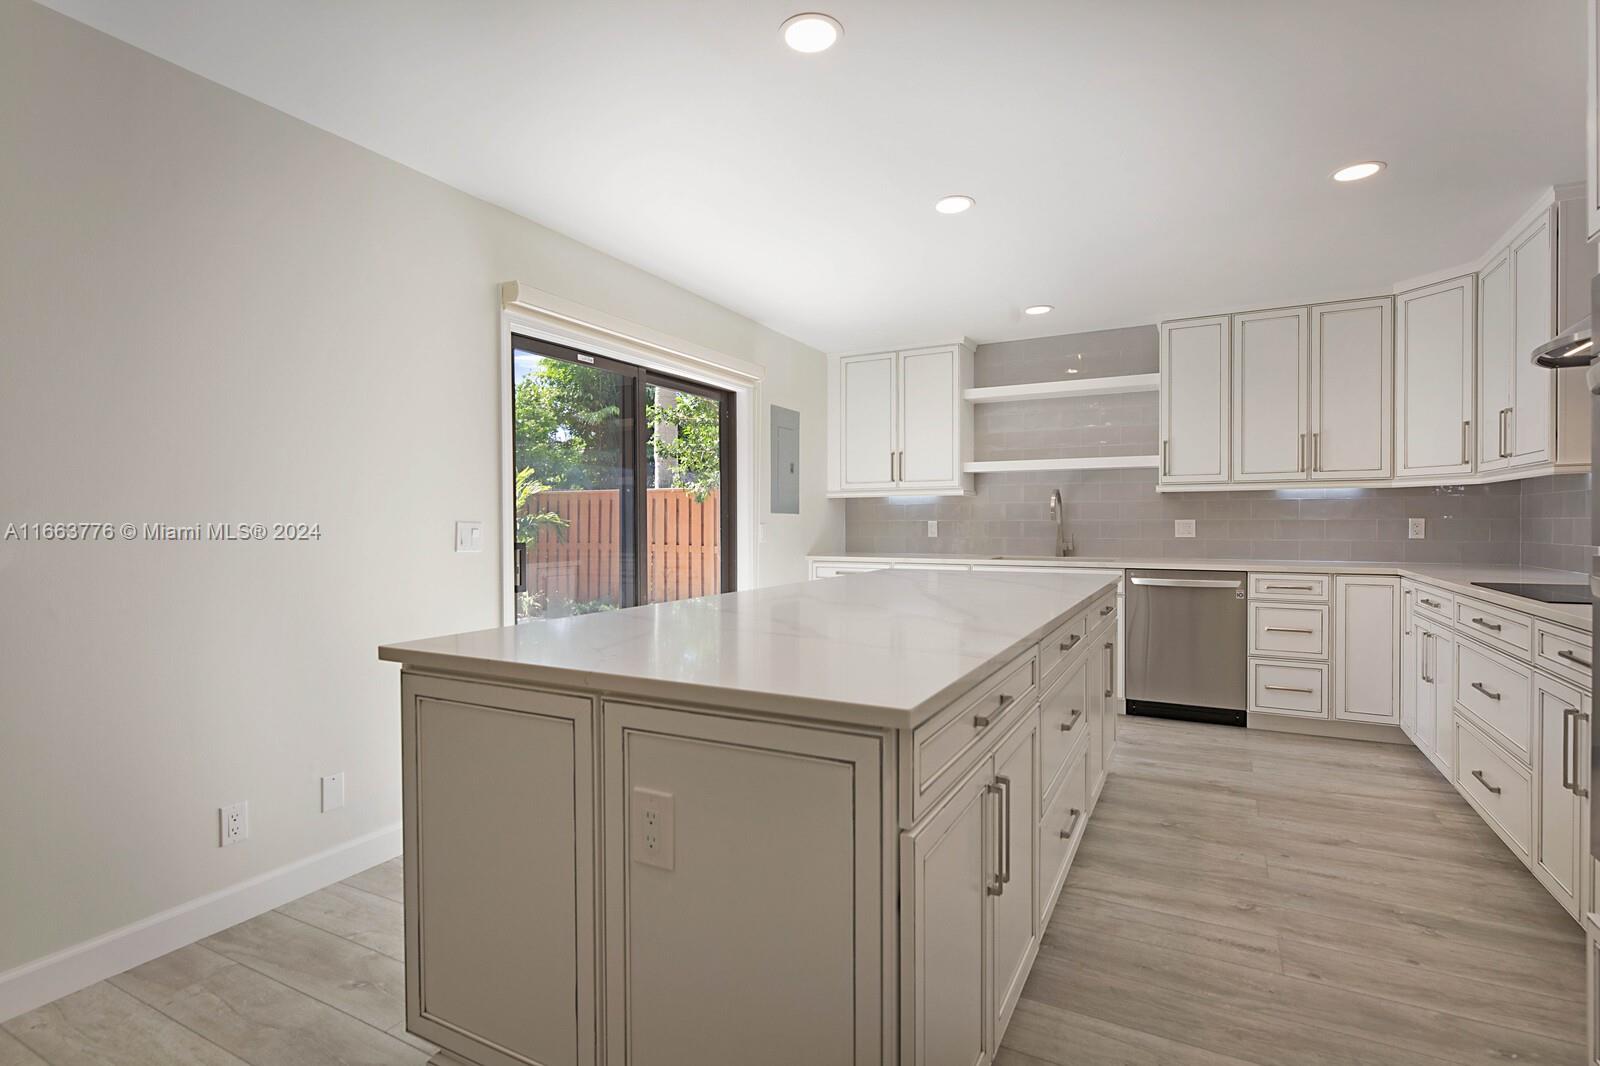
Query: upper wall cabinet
x=1352, y=381
x=897, y=424
x=1435, y=327
x=1194, y=401
x=1271, y=393
x=1516, y=313
x=1592, y=201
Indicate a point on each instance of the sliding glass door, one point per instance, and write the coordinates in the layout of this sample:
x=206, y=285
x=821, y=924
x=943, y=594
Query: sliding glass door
x=623, y=483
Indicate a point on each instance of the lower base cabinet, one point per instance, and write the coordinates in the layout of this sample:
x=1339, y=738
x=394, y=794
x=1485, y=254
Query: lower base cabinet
x=1561, y=812
x=1367, y=617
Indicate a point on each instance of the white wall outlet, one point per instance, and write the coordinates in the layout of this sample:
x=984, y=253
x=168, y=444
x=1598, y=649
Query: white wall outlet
x=469, y=536
x=933, y=528
x=235, y=823
x=333, y=792
x=1183, y=527
x=1416, y=528
x=652, y=829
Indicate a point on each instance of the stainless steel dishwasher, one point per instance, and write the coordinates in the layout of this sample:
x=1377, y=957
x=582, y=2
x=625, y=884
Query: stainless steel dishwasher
x=1186, y=645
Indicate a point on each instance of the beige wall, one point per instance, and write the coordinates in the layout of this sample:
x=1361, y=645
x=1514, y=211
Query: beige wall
x=210, y=311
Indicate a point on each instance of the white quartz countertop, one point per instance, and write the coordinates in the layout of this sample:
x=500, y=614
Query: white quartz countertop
x=887, y=648
x=1456, y=577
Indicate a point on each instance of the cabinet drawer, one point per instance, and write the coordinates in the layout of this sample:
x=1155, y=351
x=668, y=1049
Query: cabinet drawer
x=1298, y=689
x=1060, y=645
x=946, y=745
x=1102, y=608
x=1497, y=691
x=1280, y=630
x=1060, y=829
x=1063, y=720
x=1440, y=606
x=1496, y=626
x=1564, y=652
x=1501, y=790
x=1289, y=587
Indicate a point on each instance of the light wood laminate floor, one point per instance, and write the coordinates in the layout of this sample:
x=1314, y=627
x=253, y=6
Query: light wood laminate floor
x=1240, y=897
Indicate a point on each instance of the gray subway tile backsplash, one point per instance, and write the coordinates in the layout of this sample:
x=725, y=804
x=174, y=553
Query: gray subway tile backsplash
x=1538, y=522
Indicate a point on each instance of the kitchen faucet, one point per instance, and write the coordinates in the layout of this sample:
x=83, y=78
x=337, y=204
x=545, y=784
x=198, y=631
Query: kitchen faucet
x=1058, y=515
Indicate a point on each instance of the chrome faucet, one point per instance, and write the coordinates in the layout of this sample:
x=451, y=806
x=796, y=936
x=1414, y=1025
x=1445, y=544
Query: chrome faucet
x=1058, y=515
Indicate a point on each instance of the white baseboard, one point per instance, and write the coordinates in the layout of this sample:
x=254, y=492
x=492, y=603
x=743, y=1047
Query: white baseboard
x=1321, y=727
x=33, y=984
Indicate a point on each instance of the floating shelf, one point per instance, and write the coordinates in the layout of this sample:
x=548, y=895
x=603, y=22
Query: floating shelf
x=1045, y=390
x=1092, y=462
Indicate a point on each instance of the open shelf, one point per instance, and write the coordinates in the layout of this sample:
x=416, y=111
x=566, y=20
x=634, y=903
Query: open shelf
x=1092, y=462
x=1045, y=390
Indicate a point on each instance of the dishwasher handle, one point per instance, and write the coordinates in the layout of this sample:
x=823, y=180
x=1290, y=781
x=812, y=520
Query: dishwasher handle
x=1186, y=583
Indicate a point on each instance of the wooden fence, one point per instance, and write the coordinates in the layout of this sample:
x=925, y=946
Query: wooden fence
x=683, y=542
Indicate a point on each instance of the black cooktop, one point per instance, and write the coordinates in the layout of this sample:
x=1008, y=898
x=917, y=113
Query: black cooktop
x=1544, y=593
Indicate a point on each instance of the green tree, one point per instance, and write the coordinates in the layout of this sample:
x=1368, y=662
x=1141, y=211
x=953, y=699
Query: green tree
x=568, y=429
x=694, y=450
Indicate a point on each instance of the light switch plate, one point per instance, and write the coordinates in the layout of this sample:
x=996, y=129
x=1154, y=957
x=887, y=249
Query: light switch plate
x=1183, y=527
x=469, y=536
x=1416, y=528
x=333, y=792
x=651, y=822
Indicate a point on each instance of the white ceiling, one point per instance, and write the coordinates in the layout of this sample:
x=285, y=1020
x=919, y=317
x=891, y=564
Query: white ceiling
x=1132, y=159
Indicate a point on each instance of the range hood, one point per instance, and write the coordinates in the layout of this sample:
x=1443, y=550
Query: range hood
x=1573, y=348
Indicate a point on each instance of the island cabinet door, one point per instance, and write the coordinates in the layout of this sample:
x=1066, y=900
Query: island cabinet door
x=499, y=872
x=746, y=899
x=950, y=869
x=1016, y=912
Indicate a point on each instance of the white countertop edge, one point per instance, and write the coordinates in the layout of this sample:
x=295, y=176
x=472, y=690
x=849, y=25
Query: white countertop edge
x=1457, y=577
x=415, y=656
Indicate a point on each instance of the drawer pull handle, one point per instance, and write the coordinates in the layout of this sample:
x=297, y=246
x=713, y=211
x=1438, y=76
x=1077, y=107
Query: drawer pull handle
x=1485, y=782
x=1072, y=826
x=1573, y=657
x=1479, y=686
x=1107, y=609
x=1289, y=629
x=1494, y=626
x=1296, y=588
x=981, y=721
x=1290, y=688
x=1435, y=604
x=1070, y=644
x=1066, y=727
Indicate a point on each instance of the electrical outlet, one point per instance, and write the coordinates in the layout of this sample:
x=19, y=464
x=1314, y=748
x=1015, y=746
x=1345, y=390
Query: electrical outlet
x=651, y=821
x=333, y=792
x=1416, y=528
x=235, y=823
x=1183, y=527
x=933, y=528
x=469, y=536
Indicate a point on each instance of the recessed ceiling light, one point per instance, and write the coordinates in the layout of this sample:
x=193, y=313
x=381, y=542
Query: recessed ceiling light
x=811, y=31
x=1357, y=171
x=953, y=205
x=1038, y=309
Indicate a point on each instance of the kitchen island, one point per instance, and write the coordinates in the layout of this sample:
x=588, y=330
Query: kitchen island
x=816, y=823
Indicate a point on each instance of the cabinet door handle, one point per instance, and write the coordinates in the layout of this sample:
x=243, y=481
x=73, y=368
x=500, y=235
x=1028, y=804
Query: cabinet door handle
x=1484, y=781
x=1073, y=643
x=1427, y=675
x=1072, y=720
x=1316, y=452
x=1164, y=471
x=1573, y=657
x=1111, y=665
x=1005, y=825
x=1466, y=438
x=1492, y=695
x=997, y=886
x=1300, y=459
x=1290, y=688
x=1072, y=826
x=902, y=465
x=1493, y=626
x=1289, y=629
x=1568, y=775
